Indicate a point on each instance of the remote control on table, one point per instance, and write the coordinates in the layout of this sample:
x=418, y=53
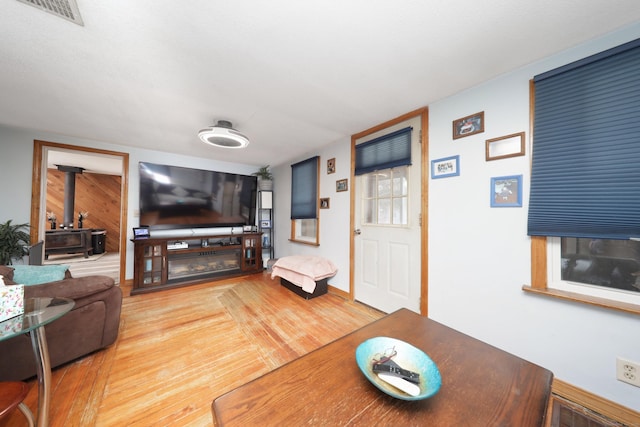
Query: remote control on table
x=395, y=370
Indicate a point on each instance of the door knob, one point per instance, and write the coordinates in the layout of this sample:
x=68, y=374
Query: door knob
x=357, y=231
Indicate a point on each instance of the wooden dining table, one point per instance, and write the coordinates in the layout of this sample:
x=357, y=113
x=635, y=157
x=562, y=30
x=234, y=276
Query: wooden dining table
x=481, y=385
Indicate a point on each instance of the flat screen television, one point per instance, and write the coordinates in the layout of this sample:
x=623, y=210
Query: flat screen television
x=180, y=197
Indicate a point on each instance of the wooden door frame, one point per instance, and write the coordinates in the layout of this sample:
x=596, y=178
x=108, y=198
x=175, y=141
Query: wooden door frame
x=36, y=191
x=423, y=113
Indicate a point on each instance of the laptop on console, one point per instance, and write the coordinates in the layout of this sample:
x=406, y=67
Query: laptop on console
x=140, y=233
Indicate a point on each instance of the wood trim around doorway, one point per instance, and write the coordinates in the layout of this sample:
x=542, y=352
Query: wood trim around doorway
x=423, y=113
x=36, y=191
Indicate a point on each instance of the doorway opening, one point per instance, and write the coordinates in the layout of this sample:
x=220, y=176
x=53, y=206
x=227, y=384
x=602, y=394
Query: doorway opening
x=105, y=177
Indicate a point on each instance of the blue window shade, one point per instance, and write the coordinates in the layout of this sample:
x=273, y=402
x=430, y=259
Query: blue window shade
x=585, y=176
x=385, y=152
x=304, y=189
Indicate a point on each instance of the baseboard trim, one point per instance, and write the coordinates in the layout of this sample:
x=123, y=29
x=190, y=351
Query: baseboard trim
x=595, y=403
x=337, y=291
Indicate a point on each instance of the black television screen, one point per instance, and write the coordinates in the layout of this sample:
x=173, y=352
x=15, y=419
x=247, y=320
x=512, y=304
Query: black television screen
x=179, y=197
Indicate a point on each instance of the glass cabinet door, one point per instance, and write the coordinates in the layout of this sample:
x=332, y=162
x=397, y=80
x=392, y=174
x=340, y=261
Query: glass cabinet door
x=250, y=250
x=152, y=265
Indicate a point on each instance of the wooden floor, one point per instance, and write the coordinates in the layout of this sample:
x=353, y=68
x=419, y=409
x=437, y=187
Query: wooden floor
x=106, y=264
x=179, y=349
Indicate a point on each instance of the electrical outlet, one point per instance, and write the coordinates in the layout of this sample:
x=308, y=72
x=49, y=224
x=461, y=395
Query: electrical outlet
x=628, y=371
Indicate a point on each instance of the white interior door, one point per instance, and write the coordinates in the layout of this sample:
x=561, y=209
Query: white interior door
x=387, y=241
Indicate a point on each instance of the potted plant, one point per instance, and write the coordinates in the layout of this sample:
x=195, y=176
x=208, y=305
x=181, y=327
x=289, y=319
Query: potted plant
x=265, y=178
x=13, y=242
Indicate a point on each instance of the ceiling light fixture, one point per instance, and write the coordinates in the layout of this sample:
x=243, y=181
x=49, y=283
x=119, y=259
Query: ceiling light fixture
x=223, y=135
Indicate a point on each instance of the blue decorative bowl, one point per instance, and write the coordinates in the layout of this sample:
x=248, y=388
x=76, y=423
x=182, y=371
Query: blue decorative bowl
x=408, y=357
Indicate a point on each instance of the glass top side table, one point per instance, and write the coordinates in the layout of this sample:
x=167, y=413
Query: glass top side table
x=37, y=313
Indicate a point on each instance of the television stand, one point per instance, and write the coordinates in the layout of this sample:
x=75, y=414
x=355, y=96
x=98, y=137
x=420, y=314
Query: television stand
x=168, y=262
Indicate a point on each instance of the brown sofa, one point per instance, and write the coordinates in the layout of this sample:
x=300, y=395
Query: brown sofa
x=91, y=325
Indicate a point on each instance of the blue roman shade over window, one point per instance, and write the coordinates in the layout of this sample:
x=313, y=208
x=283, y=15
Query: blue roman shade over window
x=385, y=152
x=585, y=176
x=304, y=189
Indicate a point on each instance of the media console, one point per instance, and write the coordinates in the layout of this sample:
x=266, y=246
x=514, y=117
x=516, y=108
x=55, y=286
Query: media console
x=167, y=262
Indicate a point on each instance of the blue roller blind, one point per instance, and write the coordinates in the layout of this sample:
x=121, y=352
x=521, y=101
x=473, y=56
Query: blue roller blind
x=585, y=177
x=304, y=189
x=385, y=152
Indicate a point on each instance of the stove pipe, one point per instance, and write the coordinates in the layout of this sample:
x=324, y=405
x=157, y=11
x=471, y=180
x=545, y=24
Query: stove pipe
x=69, y=193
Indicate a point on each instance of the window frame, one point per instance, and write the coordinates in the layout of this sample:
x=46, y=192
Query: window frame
x=540, y=248
x=298, y=237
x=391, y=198
x=296, y=225
x=539, y=257
x=554, y=253
x=539, y=285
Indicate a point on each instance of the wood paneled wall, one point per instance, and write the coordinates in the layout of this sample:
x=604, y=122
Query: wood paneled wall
x=97, y=194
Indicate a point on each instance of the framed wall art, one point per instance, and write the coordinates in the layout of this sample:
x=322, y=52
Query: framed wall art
x=324, y=203
x=265, y=223
x=504, y=146
x=342, y=185
x=469, y=125
x=506, y=191
x=445, y=167
x=331, y=165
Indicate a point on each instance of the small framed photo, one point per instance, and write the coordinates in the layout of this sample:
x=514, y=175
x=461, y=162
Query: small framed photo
x=342, y=185
x=324, y=203
x=469, y=125
x=265, y=223
x=504, y=146
x=506, y=191
x=331, y=165
x=445, y=167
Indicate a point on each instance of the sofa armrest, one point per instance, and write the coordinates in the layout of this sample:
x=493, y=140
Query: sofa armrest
x=74, y=288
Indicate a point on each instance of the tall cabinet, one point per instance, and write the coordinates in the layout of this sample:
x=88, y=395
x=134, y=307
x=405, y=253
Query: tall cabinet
x=265, y=223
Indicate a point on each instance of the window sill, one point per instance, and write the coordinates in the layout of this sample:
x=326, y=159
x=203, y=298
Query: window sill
x=304, y=242
x=572, y=296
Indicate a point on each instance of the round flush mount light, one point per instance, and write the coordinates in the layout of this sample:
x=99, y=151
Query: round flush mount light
x=222, y=134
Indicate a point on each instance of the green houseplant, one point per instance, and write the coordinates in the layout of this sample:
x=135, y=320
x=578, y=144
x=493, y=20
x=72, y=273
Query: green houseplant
x=13, y=241
x=265, y=178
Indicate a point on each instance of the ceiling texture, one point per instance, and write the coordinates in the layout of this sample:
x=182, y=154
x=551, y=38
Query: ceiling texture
x=291, y=75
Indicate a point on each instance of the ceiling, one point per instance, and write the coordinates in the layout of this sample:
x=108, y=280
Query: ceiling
x=90, y=162
x=293, y=76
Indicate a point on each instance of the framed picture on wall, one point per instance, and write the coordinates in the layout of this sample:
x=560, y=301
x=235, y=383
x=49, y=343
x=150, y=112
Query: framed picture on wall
x=504, y=147
x=331, y=165
x=445, y=167
x=506, y=191
x=342, y=185
x=265, y=223
x=469, y=125
x=324, y=203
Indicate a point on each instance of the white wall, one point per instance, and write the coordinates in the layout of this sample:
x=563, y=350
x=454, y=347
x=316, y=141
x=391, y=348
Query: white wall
x=479, y=257
x=16, y=158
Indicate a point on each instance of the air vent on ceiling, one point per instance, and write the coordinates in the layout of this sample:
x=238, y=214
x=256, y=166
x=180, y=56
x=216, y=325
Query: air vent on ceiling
x=67, y=9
